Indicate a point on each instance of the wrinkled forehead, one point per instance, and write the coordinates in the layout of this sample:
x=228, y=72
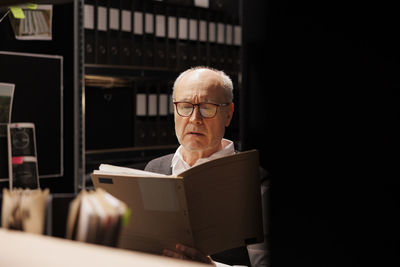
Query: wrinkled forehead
x=203, y=84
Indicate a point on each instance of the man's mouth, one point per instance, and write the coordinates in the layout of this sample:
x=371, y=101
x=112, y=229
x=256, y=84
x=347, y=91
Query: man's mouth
x=194, y=133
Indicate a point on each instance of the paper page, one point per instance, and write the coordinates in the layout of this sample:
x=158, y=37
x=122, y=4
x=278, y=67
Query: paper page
x=86, y=210
x=111, y=169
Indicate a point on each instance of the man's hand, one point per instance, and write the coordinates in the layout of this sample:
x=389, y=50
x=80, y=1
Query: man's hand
x=188, y=253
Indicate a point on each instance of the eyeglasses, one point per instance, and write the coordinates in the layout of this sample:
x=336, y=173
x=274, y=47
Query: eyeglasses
x=207, y=110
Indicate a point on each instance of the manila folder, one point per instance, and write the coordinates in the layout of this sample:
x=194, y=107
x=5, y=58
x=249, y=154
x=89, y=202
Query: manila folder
x=214, y=206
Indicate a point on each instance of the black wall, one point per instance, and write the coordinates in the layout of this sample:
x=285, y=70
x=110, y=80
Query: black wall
x=320, y=102
x=61, y=45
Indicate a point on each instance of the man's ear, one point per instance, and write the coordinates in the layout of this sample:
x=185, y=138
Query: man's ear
x=229, y=114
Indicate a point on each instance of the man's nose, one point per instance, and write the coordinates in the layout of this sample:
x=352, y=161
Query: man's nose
x=196, y=114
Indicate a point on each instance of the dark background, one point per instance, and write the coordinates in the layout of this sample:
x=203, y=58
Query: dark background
x=320, y=102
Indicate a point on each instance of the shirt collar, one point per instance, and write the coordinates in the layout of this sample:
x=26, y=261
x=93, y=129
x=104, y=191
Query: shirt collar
x=179, y=165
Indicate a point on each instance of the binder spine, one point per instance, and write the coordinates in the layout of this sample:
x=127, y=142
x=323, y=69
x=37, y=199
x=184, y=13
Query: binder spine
x=149, y=40
x=183, y=34
x=172, y=28
x=89, y=19
x=114, y=32
x=160, y=17
x=138, y=21
x=126, y=35
x=141, y=115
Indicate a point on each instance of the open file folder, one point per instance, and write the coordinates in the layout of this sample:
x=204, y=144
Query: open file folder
x=96, y=217
x=214, y=206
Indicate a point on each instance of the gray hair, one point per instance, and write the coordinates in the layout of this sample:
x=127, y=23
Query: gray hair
x=226, y=80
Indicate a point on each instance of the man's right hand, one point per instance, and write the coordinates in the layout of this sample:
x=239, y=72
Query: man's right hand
x=188, y=253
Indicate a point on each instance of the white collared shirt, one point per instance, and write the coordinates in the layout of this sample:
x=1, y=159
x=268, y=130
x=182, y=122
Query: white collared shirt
x=179, y=164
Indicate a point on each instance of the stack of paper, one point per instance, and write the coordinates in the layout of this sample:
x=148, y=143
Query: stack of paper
x=96, y=217
x=24, y=209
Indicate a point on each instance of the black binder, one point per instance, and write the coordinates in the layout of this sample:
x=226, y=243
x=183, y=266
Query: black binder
x=229, y=49
x=220, y=5
x=183, y=36
x=220, y=46
x=162, y=127
x=172, y=30
x=212, y=41
x=237, y=42
x=126, y=33
x=152, y=113
x=140, y=114
x=89, y=16
x=101, y=32
x=193, y=37
x=113, y=42
x=137, y=47
x=160, y=57
x=170, y=124
x=148, y=44
x=203, y=36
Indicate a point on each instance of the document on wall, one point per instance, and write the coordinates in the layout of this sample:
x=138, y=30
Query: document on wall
x=37, y=24
x=6, y=100
x=213, y=206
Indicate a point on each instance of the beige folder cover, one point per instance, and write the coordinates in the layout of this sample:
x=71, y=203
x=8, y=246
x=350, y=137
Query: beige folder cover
x=214, y=206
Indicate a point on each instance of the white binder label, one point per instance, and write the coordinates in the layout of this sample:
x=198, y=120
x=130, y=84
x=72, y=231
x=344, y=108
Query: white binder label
x=152, y=105
x=160, y=25
x=202, y=3
x=238, y=35
x=221, y=33
x=88, y=17
x=101, y=18
x=141, y=105
x=126, y=20
x=183, y=27
x=211, y=31
x=172, y=27
x=193, y=29
x=203, y=31
x=229, y=34
x=114, y=19
x=138, y=22
x=149, y=23
x=163, y=107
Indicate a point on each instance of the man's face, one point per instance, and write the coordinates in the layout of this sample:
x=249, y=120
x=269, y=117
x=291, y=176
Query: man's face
x=196, y=133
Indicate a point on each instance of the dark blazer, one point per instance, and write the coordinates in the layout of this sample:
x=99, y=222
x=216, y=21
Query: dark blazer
x=161, y=165
x=236, y=256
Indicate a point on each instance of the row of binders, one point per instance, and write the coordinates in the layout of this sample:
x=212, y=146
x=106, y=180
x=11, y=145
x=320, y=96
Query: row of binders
x=125, y=113
x=93, y=216
x=160, y=34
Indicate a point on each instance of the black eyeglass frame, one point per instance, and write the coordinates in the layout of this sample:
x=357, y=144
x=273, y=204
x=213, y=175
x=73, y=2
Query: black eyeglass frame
x=193, y=105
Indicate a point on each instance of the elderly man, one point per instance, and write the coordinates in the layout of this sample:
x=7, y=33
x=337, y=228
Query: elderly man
x=203, y=108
